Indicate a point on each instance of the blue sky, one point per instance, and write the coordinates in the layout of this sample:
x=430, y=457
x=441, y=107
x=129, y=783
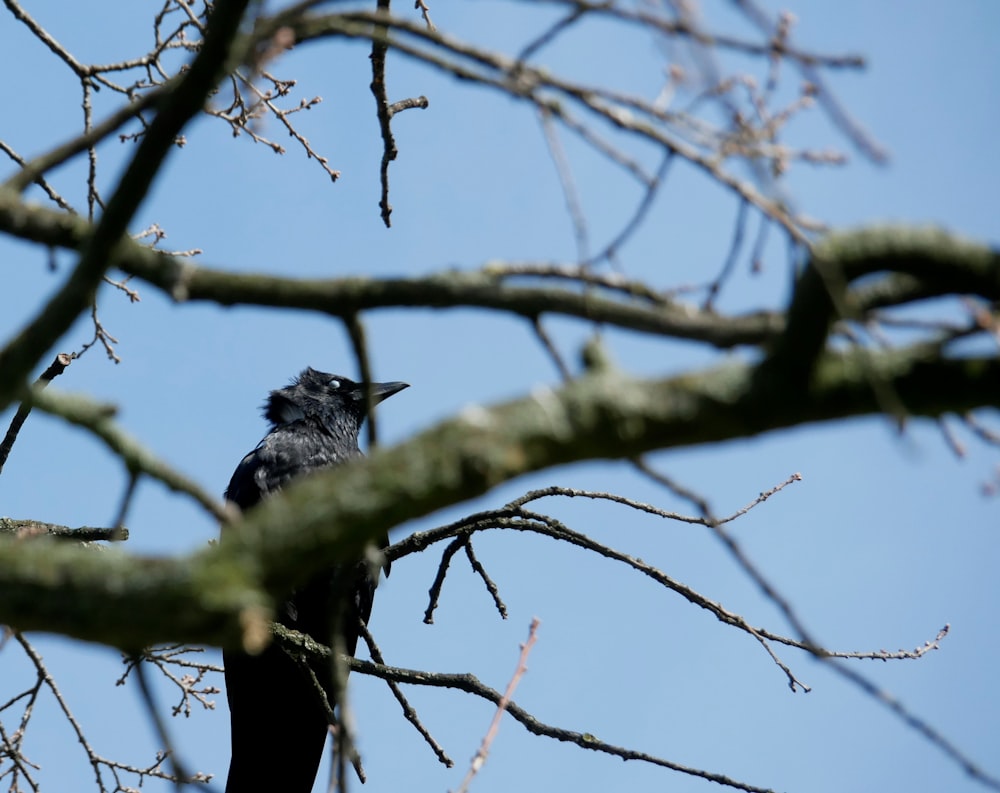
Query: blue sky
x=885, y=539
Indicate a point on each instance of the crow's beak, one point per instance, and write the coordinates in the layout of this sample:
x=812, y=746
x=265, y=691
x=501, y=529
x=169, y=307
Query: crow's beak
x=381, y=391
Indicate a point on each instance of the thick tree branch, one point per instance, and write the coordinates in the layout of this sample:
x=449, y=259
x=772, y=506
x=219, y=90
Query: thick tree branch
x=345, y=297
x=940, y=262
x=934, y=255
x=36, y=528
x=133, y=601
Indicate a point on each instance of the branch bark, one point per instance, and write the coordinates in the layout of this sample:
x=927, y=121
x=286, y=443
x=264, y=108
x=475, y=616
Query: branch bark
x=922, y=263
x=222, y=595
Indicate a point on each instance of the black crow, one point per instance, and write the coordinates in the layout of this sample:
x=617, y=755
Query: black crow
x=279, y=721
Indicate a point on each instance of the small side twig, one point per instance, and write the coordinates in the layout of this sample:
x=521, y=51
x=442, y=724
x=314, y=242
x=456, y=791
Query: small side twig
x=189, y=680
x=302, y=647
x=739, y=228
x=917, y=724
x=425, y=12
x=359, y=344
x=180, y=774
x=408, y=104
x=652, y=188
x=409, y=713
x=484, y=747
x=126, y=502
x=491, y=587
x=97, y=762
x=435, y=590
x=550, y=348
x=571, y=195
x=384, y=110
x=380, y=46
x=56, y=368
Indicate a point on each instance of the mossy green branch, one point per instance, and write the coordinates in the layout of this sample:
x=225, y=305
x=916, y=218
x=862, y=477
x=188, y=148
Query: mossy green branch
x=217, y=595
x=918, y=263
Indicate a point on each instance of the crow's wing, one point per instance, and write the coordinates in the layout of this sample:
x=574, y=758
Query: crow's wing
x=275, y=710
x=288, y=451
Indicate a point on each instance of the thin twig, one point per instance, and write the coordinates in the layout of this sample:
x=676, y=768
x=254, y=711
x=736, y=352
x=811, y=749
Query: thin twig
x=380, y=46
x=642, y=210
x=163, y=734
x=435, y=589
x=491, y=733
x=359, y=344
x=739, y=227
x=571, y=196
x=97, y=762
x=471, y=685
x=56, y=368
x=491, y=587
x=409, y=713
x=551, y=349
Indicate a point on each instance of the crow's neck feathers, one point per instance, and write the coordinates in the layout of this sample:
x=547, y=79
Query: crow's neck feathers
x=282, y=411
x=328, y=400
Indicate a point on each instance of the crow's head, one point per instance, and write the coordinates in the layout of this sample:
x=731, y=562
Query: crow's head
x=329, y=398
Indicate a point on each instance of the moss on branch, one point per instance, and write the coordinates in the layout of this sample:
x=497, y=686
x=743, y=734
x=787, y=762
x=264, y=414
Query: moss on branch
x=133, y=601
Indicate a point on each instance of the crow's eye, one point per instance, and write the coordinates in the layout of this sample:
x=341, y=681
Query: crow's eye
x=333, y=383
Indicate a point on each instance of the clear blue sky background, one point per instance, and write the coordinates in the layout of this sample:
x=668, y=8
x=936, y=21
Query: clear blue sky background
x=885, y=540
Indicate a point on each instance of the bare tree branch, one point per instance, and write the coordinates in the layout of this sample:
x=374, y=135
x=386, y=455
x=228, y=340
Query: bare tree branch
x=77, y=293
